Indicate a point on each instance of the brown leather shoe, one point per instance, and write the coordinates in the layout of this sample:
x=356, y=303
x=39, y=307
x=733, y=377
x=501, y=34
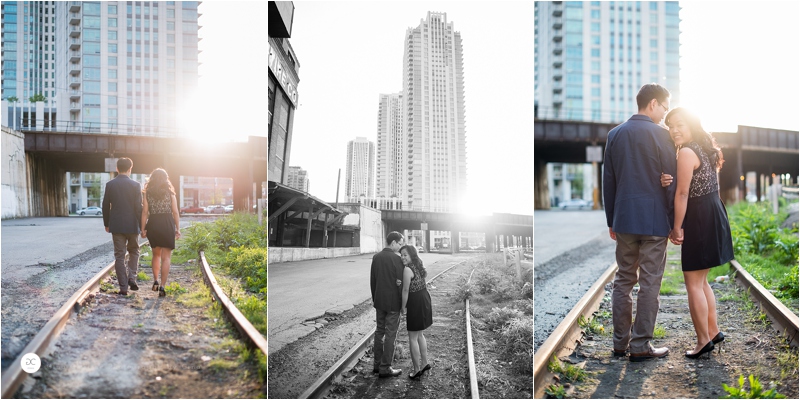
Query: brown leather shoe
x=620, y=353
x=657, y=352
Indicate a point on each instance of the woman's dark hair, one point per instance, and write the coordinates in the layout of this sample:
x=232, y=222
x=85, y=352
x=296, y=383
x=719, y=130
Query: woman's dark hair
x=699, y=135
x=412, y=253
x=158, y=183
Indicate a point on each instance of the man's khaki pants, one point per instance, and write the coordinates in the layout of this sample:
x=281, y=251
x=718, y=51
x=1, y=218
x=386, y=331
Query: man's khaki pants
x=640, y=258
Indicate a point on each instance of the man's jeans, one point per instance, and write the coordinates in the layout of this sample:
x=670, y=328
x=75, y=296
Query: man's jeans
x=383, y=349
x=125, y=274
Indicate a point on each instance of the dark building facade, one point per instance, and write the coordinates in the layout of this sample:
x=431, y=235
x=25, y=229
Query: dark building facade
x=283, y=80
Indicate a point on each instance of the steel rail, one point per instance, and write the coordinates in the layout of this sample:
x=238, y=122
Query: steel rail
x=252, y=337
x=40, y=344
x=321, y=385
x=784, y=319
x=567, y=333
x=473, y=375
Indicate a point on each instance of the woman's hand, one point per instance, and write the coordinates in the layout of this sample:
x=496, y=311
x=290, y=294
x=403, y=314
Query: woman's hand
x=177, y=233
x=403, y=311
x=399, y=282
x=666, y=179
x=144, y=233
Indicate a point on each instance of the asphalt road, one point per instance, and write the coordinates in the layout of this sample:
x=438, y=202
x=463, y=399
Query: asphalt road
x=555, y=231
x=299, y=291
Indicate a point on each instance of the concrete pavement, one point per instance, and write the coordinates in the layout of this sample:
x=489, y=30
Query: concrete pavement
x=37, y=242
x=556, y=232
x=299, y=291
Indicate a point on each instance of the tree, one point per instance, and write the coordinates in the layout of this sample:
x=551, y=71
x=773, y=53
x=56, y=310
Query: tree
x=37, y=97
x=12, y=99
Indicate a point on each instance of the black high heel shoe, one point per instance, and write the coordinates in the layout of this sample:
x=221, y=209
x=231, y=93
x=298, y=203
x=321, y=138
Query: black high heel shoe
x=718, y=339
x=155, y=286
x=708, y=348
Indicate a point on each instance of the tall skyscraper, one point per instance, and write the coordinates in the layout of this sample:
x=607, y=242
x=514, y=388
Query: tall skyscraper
x=390, y=169
x=298, y=179
x=433, y=115
x=592, y=57
x=360, y=177
x=106, y=67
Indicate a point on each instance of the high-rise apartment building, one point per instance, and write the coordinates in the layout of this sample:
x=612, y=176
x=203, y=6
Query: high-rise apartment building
x=106, y=67
x=592, y=57
x=390, y=169
x=360, y=178
x=298, y=179
x=433, y=115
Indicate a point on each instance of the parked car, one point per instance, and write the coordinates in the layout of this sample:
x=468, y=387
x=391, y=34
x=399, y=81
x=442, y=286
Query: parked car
x=229, y=209
x=90, y=210
x=192, y=210
x=576, y=203
x=215, y=209
x=420, y=249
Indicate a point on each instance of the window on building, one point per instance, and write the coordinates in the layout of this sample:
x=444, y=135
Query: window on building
x=112, y=35
x=112, y=9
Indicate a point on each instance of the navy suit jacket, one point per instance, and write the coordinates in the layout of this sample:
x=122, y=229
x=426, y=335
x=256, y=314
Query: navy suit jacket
x=386, y=269
x=122, y=205
x=637, y=152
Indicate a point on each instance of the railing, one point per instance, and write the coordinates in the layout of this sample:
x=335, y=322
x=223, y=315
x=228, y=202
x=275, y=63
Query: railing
x=66, y=126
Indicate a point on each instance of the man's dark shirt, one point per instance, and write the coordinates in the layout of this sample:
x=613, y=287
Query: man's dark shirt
x=386, y=269
x=122, y=205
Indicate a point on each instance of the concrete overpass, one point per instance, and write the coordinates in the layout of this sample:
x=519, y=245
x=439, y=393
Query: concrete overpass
x=506, y=229
x=51, y=154
x=767, y=152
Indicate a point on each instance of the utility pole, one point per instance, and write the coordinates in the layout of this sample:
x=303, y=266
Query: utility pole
x=337, y=188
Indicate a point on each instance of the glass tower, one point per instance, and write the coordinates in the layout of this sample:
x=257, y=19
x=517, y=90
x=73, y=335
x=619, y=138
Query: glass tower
x=391, y=145
x=433, y=96
x=592, y=57
x=360, y=177
x=105, y=67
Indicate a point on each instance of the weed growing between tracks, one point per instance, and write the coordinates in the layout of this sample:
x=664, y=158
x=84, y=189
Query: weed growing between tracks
x=751, y=347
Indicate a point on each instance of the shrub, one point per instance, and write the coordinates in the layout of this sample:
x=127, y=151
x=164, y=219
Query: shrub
x=463, y=291
x=255, y=310
x=486, y=280
x=249, y=264
x=498, y=317
x=517, y=341
x=527, y=290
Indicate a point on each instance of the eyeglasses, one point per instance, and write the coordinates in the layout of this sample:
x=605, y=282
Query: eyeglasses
x=665, y=108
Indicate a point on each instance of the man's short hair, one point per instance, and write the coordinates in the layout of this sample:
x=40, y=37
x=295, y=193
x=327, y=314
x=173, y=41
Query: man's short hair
x=651, y=91
x=394, y=237
x=124, y=164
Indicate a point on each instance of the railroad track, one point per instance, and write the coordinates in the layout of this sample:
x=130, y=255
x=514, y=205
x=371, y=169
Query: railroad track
x=321, y=386
x=42, y=343
x=567, y=335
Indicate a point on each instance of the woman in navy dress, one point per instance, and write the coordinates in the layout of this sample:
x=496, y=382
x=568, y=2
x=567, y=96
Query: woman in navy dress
x=417, y=301
x=161, y=222
x=701, y=224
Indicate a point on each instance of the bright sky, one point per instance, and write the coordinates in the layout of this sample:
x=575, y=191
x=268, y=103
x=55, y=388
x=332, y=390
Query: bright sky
x=740, y=63
x=350, y=52
x=231, y=99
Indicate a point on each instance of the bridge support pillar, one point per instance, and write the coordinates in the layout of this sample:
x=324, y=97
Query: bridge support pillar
x=455, y=241
x=47, y=188
x=243, y=189
x=541, y=196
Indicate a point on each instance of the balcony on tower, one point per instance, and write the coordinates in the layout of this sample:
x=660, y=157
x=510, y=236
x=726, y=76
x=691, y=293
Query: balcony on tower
x=557, y=76
x=74, y=19
x=557, y=90
x=75, y=31
x=557, y=37
x=557, y=64
x=557, y=50
x=74, y=6
x=75, y=44
x=75, y=95
x=75, y=106
x=74, y=69
x=557, y=24
x=557, y=12
x=75, y=57
x=74, y=82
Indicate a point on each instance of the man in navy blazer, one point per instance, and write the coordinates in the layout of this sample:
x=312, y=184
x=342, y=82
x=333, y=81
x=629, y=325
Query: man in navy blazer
x=639, y=214
x=122, y=211
x=385, y=273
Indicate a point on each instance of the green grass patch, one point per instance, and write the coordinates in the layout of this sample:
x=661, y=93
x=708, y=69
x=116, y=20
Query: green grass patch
x=175, y=288
x=659, y=332
x=567, y=371
x=673, y=281
x=142, y=276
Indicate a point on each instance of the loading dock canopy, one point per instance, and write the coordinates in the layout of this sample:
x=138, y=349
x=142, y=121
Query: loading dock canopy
x=292, y=208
